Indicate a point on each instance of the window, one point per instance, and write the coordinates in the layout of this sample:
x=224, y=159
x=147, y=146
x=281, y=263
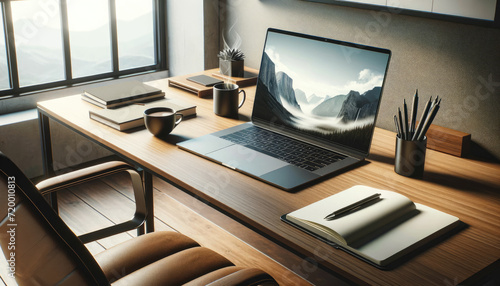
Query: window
x=38, y=42
x=4, y=75
x=89, y=36
x=52, y=43
x=135, y=40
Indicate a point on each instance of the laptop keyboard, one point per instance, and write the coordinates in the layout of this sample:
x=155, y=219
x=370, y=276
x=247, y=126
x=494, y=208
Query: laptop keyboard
x=287, y=149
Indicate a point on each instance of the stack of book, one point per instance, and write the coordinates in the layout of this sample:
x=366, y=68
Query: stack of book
x=121, y=94
x=123, y=104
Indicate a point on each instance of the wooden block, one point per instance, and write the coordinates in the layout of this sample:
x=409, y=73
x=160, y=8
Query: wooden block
x=250, y=77
x=449, y=141
x=181, y=82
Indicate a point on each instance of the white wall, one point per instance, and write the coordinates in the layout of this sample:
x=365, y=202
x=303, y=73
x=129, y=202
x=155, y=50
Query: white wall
x=192, y=28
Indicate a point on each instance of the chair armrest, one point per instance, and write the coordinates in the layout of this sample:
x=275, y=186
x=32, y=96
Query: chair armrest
x=80, y=176
x=247, y=276
x=64, y=181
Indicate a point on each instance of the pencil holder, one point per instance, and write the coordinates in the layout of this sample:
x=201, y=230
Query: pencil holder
x=410, y=157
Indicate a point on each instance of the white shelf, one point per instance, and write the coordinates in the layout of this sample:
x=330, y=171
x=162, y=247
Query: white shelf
x=479, y=9
x=474, y=9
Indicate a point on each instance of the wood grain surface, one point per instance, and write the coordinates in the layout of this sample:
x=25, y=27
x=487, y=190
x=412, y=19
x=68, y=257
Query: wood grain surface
x=466, y=188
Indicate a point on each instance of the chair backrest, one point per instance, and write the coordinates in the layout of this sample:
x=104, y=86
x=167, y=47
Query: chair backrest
x=39, y=247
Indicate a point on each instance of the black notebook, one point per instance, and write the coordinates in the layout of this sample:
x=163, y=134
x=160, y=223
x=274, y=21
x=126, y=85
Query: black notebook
x=380, y=232
x=205, y=80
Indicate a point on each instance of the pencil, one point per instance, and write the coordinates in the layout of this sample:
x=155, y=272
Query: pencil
x=406, y=127
x=398, y=130
x=401, y=125
x=428, y=121
x=414, y=107
x=422, y=119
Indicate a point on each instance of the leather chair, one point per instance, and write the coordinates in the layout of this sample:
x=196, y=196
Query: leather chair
x=41, y=250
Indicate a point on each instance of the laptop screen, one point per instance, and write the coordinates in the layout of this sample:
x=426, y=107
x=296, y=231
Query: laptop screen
x=325, y=90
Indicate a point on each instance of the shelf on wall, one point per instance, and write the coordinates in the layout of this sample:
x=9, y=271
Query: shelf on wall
x=481, y=12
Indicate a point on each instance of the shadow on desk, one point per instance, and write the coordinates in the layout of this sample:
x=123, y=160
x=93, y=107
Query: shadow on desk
x=174, y=139
x=455, y=182
x=381, y=159
x=480, y=153
x=459, y=183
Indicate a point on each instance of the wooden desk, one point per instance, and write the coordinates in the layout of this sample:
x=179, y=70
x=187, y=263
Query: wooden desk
x=465, y=188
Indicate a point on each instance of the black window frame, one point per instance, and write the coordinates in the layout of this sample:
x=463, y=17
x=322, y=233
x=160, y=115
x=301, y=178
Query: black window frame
x=160, y=52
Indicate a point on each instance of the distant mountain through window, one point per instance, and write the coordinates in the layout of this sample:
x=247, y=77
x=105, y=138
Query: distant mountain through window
x=58, y=44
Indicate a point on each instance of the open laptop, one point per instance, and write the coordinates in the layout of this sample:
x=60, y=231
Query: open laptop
x=314, y=111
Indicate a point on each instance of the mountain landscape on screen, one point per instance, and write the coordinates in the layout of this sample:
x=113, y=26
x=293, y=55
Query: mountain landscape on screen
x=346, y=118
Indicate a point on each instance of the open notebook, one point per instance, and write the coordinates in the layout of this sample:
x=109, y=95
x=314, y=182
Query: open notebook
x=380, y=232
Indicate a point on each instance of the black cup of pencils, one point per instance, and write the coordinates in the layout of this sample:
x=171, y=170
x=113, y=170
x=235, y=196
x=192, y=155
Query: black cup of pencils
x=411, y=142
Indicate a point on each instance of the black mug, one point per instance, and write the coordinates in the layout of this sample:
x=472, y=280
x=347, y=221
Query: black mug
x=226, y=99
x=410, y=157
x=160, y=121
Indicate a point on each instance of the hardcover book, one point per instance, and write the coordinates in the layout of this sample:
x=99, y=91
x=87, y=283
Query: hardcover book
x=379, y=232
x=122, y=93
x=132, y=116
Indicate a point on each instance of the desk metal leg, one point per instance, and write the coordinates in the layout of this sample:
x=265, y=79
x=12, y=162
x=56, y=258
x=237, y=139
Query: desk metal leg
x=47, y=159
x=148, y=192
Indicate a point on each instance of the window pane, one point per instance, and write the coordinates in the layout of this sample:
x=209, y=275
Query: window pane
x=88, y=23
x=135, y=33
x=37, y=30
x=4, y=68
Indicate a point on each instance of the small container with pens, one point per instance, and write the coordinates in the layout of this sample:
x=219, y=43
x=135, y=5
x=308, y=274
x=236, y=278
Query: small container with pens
x=411, y=142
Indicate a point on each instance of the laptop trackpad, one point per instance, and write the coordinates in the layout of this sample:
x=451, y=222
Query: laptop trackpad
x=205, y=144
x=246, y=160
x=290, y=177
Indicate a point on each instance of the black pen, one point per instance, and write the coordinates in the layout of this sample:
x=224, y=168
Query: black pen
x=352, y=206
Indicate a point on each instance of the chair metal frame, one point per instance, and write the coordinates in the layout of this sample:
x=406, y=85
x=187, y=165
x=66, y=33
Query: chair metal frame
x=60, y=182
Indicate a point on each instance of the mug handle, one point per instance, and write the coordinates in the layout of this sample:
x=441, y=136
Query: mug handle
x=179, y=119
x=244, y=97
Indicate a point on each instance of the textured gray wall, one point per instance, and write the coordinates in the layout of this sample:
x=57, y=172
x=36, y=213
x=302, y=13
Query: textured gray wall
x=458, y=62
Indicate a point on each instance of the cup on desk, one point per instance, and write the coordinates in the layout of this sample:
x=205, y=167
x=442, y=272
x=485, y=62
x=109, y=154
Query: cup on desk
x=226, y=99
x=160, y=121
x=410, y=157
